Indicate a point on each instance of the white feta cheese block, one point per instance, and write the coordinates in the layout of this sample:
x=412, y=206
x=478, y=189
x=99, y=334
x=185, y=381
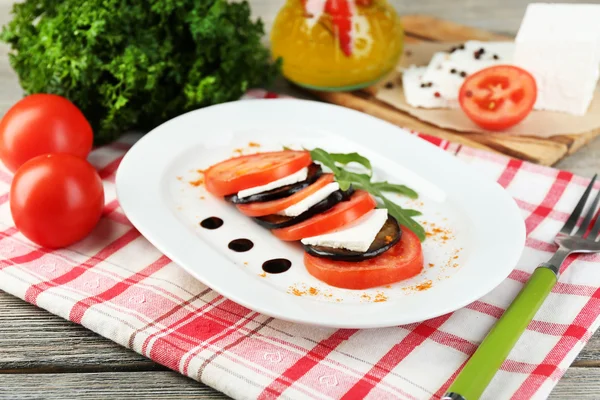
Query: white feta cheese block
x=287, y=180
x=418, y=96
x=356, y=236
x=306, y=203
x=559, y=44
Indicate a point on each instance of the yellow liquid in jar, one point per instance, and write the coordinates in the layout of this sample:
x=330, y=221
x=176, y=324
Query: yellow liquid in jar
x=312, y=55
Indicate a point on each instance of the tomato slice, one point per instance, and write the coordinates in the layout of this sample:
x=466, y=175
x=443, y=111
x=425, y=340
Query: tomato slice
x=339, y=215
x=260, y=209
x=498, y=97
x=402, y=261
x=235, y=174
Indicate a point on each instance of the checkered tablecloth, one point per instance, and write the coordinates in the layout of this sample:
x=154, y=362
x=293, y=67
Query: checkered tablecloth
x=118, y=285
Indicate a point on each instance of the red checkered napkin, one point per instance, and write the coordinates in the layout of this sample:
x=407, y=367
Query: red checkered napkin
x=116, y=284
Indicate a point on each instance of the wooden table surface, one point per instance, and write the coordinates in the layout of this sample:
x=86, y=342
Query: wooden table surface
x=44, y=356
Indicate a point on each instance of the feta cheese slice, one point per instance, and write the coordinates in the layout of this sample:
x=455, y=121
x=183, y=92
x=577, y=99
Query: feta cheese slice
x=296, y=209
x=497, y=52
x=418, y=96
x=447, y=71
x=287, y=180
x=437, y=85
x=559, y=44
x=356, y=236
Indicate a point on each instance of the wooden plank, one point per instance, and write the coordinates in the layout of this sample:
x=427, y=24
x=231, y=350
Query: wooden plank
x=35, y=340
x=544, y=152
x=152, y=385
x=577, y=383
x=432, y=28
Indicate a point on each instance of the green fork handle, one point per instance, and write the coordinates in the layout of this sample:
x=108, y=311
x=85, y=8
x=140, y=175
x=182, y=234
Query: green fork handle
x=489, y=356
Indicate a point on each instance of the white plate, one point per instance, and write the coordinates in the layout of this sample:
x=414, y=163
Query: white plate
x=477, y=233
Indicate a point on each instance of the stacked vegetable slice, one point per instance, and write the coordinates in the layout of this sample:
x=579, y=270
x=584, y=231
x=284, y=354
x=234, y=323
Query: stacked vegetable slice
x=349, y=242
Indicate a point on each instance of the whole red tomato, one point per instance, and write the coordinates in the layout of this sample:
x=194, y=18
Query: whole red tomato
x=56, y=199
x=42, y=124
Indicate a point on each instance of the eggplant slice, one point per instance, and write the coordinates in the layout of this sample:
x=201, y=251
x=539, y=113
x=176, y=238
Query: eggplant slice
x=387, y=237
x=314, y=172
x=275, y=221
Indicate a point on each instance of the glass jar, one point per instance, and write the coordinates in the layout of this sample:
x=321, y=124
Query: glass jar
x=337, y=44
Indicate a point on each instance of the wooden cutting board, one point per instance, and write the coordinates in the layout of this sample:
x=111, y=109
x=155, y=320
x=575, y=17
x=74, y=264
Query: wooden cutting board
x=419, y=28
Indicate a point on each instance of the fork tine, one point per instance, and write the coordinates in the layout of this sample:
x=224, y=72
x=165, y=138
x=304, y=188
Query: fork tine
x=594, y=233
x=588, y=218
x=572, y=221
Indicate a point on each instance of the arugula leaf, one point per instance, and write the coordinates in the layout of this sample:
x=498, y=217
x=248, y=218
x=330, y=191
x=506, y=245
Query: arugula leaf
x=403, y=219
x=324, y=158
x=346, y=178
x=385, y=186
x=409, y=212
x=347, y=158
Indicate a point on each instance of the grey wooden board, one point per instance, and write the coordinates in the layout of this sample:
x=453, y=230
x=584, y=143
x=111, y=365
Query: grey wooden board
x=153, y=385
x=44, y=356
x=581, y=384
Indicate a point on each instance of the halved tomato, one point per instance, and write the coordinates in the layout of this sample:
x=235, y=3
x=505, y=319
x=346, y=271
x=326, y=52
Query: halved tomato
x=339, y=215
x=235, y=174
x=260, y=209
x=498, y=97
x=402, y=261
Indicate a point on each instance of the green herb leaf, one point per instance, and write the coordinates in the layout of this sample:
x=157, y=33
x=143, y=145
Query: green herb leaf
x=347, y=158
x=409, y=212
x=324, y=158
x=286, y=148
x=403, y=219
x=392, y=187
x=346, y=178
x=344, y=185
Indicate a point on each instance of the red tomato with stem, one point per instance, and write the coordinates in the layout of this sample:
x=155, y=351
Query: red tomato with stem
x=56, y=199
x=238, y=173
x=498, y=97
x=43, y=124
x=404, y=260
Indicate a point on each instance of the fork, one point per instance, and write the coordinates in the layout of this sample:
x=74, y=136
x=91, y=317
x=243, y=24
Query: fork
x=491, y=353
